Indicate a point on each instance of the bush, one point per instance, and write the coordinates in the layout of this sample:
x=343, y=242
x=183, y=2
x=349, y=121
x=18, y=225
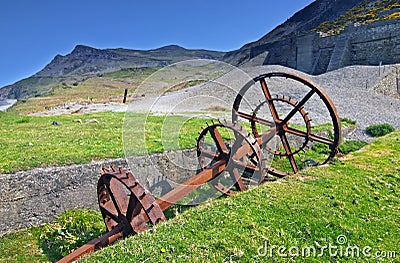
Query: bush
x=348, y=121
x=378, y=130
x=321, y=148
x=351, y=146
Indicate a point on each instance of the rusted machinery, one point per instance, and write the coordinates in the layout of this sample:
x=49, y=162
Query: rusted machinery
x=230, y=159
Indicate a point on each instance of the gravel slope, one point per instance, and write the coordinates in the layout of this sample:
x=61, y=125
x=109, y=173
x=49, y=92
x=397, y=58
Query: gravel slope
x=351, y=89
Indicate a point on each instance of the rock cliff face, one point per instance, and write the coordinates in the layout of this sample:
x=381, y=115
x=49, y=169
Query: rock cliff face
x=300, y=23
x=371, y=44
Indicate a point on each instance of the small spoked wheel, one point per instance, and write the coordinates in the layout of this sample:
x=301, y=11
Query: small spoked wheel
x=232, y=144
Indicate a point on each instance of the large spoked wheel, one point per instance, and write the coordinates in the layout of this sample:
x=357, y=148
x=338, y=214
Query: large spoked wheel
x=125, y=203
x=231, y=143
x=301, y=112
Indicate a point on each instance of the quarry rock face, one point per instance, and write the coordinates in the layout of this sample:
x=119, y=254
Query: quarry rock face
x=371, y=44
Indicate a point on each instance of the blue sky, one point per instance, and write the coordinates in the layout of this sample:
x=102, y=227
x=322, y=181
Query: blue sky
x=32, y=32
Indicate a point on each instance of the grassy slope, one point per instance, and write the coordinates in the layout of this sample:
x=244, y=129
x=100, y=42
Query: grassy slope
x=92, y=89
x=357, y=197
x=29, y=142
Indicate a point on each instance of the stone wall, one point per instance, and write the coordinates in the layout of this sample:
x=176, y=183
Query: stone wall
x=372, y=44
x=33, y=197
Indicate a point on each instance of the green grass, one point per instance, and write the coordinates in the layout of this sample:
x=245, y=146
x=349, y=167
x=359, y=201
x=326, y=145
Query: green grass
x=357, y=197
x=105, y=88
x=28, y=142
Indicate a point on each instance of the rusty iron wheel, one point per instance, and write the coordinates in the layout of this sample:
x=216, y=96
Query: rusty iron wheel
x=302, y=113
x=125, y=203
x=289, y=135
x=241, y=152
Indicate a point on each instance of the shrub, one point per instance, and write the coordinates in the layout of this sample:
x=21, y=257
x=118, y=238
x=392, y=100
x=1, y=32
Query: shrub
x=377, y=130
x=348, y=121
x=321, y=148
x=351, y=146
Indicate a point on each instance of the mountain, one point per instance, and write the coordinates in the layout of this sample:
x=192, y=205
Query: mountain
x=323, y=36
x=89, y=60
x=301, y=22
x=329, y=34
x=85, y=61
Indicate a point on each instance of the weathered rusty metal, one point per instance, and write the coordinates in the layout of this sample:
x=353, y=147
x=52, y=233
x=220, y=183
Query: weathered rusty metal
x=281, y=123
x=127, y=207
x=230, y=159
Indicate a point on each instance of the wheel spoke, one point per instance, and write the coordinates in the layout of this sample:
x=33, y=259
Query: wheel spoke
x=321, y=139
x=244, y=115
x=268, y=96
x=107, y=209
x=311, y=136
x=298, y=106
x=238, y=180
x=242, y=151
x=245, y=166
x=208, y=154
x=289, y=153
x=218, y=140
x=133, y=207
x=113, y=199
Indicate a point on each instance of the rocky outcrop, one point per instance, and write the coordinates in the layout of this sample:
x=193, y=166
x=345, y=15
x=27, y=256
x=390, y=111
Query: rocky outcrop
x=371, y=44
x=300, y=23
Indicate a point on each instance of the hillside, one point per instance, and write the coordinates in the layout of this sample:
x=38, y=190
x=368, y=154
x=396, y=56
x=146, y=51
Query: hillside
x=301, y=22
x=85, y=62
x=328, y=35
x=297, y=43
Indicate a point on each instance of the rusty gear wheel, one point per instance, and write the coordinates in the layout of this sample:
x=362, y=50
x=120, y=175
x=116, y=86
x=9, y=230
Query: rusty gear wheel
x=125, y=203
x=232, y=143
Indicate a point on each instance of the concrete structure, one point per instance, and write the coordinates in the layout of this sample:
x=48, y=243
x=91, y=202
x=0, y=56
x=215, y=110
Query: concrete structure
x=371, y=44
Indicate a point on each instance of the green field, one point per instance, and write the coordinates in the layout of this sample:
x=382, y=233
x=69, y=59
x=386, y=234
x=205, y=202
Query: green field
x=349, y=205
x=27, y=142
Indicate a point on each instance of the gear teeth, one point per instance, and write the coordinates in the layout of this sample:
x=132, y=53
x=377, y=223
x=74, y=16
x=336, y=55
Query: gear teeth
x=213, y=122
x=121, y=170
x=207, y=124
x=113, y=168
x=219, y=120
x=105, y=169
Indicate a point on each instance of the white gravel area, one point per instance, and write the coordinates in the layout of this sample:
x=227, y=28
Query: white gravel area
x=351, y=90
